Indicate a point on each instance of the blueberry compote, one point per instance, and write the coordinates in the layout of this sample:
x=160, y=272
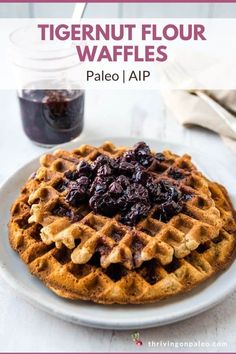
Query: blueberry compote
x=125, y=186
x=52, y=117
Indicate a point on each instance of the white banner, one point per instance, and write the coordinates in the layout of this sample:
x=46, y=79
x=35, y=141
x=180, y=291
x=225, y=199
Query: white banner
x=118, y=53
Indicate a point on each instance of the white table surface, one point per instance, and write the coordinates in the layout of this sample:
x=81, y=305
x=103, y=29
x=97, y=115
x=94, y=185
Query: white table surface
x=113, y=113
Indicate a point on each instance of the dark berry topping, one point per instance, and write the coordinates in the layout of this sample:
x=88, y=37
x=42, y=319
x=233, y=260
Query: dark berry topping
x=143, y=154
x=99, y=186
x=140, y=176
x=154, y=190
x=116, y=188
x=175, y=173
x=79, y=191
x=73, y=197
x=84, y=169
x=104, y=170
x=137, y=211
x=61, y=186
x=122, y=204
x=100, y=161
x=126, y=168
x=141, y=149
x=129, y=156
x=124, y=186
x=72, y=175
x=169, y=209
x=136, y=193
x=61, y=210
x=160, y=157
x=103, y=204
x=124, y=181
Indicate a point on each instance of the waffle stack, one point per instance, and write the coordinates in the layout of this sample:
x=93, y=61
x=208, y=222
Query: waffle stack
x=98, y=257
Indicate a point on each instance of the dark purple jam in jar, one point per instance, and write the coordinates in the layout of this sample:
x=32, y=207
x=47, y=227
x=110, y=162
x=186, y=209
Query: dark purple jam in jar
x=52, y=117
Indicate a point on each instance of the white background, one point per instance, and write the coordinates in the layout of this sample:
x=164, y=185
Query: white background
x=202, y=63
x=133, y=113
x=120, y=10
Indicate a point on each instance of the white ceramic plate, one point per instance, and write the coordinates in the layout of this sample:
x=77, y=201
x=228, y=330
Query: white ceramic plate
x=16, y=274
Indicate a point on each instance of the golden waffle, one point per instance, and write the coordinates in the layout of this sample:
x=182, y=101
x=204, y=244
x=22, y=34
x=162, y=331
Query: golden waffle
x=158, y=240
x=98, y=258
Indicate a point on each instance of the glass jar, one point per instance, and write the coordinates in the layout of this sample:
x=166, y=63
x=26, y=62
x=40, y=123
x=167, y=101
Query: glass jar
x=50, y=98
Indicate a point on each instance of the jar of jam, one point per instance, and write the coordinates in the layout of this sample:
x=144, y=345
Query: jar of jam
x=51, y=102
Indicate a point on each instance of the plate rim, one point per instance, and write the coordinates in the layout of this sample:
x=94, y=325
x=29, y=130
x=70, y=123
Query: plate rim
x=20, y=289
